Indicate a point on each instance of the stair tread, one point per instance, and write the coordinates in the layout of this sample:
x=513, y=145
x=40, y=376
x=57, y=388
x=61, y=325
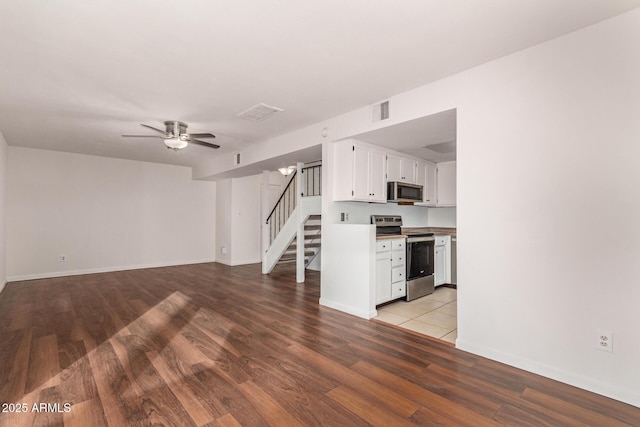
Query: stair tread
x=293, y=254
x=312, y=227
x=315, y=216
x=291, y=261
x=306, y=245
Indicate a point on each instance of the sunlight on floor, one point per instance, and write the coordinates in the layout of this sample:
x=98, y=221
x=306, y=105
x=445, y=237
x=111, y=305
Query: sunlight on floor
x=434, y=315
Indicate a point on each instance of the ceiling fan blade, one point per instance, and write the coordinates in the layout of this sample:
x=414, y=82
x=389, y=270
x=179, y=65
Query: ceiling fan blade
x=202, y=135
x=156, y=129
x=206, y=144
x=142, y=136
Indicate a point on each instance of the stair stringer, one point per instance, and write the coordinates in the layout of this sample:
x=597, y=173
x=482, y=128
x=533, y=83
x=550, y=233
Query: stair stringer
x=308, y=206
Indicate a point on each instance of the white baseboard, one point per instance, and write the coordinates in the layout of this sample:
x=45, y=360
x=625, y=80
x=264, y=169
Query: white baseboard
x=235, y=263
x=365, y=314
x=632, y=397
x=103, y=270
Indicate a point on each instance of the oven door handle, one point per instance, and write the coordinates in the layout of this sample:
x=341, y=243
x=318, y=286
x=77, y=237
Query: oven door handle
x=421, y=239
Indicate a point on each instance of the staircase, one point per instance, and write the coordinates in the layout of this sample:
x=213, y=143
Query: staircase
x=311, y=243
x=296, y=217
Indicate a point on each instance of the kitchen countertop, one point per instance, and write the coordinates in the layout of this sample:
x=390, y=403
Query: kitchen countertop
x=438, y=231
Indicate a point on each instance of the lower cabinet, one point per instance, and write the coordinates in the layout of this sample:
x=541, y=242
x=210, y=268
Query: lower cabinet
x=440, y=265
x=442, y=260
x=390, y=270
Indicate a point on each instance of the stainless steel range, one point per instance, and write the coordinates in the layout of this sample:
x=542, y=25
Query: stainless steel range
x=420, y=254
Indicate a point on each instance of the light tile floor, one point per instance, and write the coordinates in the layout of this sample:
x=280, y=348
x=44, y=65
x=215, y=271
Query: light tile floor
x=434, y=315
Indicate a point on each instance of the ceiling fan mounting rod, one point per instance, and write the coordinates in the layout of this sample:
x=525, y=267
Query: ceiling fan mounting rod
x=175, y=128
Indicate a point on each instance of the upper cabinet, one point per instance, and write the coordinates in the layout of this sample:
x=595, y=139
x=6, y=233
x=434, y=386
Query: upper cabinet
x=430, y=186
x=446, y=184
x=359, y=173
x=401, y=169
x=362, y=171
x=426, y=176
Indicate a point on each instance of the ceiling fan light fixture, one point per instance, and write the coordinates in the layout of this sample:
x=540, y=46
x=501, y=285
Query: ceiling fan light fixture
x=286, y=171
x=175, y=143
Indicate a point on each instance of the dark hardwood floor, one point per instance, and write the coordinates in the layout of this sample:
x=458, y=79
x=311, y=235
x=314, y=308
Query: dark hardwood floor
x=214, y=345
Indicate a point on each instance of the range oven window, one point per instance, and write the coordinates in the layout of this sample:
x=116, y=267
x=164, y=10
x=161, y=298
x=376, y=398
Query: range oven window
x=419, y=259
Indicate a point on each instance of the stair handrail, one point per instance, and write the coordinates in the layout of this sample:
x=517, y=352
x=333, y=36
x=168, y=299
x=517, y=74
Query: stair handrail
x=309, y=179
x=283, y=216
x=311, y=185
x=293, y=177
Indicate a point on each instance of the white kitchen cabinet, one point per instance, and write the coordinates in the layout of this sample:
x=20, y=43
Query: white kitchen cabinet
x=359, y=173
x=426, y=176
x=399, y=289
x=440, y=265
x=446, y=184
x=401, y=169
x=377, y=181
x=397, y=258
x=390, y=270
x=421, y=176
x=383, y=277
x=429, y=190
x=442, y=260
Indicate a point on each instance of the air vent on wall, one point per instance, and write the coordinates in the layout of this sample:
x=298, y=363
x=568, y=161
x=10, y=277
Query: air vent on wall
x=236, y=159
x=259, y=112
x=381, y=111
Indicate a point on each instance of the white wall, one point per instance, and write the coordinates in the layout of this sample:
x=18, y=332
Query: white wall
x=441, y=217
x=223, y=222
x=360, y=213
x=103, y=214
x=3, y=192
x=247, y=218
x=239, y=218
x=548, y=169
x=547, y=218
x=343, y=288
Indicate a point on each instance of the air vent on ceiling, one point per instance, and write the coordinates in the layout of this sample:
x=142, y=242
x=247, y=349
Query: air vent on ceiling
x=259, y=112
x=236, y=159
x=381, y=111
x=443, y=147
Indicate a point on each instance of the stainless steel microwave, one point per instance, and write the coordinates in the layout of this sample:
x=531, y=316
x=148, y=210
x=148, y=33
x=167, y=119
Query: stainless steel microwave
x=403, y=192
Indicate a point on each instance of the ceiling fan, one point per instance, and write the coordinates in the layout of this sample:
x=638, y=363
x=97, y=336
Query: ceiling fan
x=175, y=136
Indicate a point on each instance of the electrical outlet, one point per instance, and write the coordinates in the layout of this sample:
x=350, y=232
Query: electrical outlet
x=223, y=250
x=605, y=340
x=63, y=258
x=346, y=216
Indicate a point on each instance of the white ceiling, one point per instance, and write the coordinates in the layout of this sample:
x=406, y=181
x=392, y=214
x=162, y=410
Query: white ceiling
x=77, y=74
x=431, y=137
